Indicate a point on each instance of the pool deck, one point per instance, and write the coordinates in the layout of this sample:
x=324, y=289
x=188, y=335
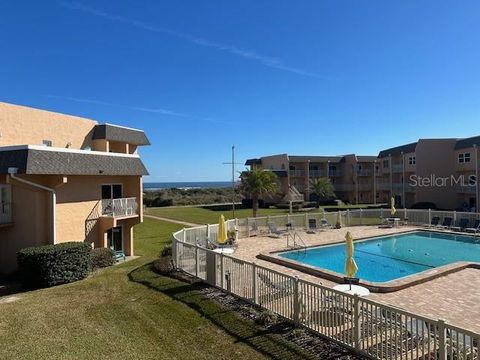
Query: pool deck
x=453, y=297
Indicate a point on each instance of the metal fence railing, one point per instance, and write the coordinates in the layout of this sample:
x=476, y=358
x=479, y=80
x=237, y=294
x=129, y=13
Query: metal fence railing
x=375, y=329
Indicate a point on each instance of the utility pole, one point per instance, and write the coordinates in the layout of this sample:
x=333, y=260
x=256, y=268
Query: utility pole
x=233, y=163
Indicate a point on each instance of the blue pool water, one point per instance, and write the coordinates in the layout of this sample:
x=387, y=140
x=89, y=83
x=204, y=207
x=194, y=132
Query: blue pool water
x=391, y=257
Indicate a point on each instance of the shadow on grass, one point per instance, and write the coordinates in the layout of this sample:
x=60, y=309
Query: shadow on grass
x=243, y=330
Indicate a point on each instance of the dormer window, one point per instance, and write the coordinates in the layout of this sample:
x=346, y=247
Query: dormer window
x=47, y=143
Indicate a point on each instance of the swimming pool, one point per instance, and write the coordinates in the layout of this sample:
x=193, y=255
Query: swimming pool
x=387, y=258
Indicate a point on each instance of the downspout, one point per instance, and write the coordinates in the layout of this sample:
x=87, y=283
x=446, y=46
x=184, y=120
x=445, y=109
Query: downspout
x=13, y=171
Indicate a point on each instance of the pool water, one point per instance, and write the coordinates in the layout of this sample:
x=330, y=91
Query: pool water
x=392, y=257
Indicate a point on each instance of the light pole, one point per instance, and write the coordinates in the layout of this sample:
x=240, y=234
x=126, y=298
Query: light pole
x=233, y=163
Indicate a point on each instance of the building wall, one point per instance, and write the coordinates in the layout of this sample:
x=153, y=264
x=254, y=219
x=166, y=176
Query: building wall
x=77, y=213
x=20, y=125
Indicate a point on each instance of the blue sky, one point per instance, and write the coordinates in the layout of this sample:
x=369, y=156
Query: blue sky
x=297, y=77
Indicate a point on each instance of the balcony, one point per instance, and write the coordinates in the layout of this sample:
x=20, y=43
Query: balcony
x=343, y=187
x=317, y=173
x=466, y=189
x=124, y=207
x=297, y=173
x=364, y=172
x=334, y=173
x=397, y=168
x=5, y=213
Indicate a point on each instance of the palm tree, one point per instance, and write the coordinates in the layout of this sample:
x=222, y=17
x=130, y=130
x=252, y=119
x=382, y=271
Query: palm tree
x=323, y=188
x=258, y=182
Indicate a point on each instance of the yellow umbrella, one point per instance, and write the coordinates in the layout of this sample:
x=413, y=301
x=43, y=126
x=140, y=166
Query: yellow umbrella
x=222, y=230
x=350, y=264
x=392, y=206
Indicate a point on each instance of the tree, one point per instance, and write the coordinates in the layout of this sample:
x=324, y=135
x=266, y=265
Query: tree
x=323, y=188
x=258, y=182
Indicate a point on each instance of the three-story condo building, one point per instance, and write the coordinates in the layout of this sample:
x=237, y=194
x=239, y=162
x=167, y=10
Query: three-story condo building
x=65, y=178
x=443, y=172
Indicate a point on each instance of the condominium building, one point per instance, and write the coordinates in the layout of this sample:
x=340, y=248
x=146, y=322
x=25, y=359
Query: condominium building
x=65, y=178
x=438, y=171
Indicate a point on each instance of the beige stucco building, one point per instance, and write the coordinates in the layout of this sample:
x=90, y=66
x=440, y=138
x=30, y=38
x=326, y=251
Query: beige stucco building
x=438, y=171
x=65, y=178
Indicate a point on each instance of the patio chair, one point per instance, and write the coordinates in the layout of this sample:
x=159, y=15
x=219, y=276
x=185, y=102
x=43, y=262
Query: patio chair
x=447, y=223
x=312, y=226
x=283, y=286
x=119, y=255
x=435, y=221
x=324, y=224
x=273, y=230
x=475, y=229
x=253, y=229
x=462, y=224
x=216, y=245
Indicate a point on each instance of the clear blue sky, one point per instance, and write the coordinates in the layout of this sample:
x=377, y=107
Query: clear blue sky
x=298, y=77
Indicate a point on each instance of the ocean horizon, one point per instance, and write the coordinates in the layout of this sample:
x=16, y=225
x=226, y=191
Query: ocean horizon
x=185, y=185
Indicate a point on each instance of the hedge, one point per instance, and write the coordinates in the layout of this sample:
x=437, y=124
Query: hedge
x=50, y=265
x=102, y=257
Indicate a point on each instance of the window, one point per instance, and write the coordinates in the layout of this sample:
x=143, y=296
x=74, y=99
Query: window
x=111, y=191
x=385, y=164
x=464, y=158
x=412, y=160
x=47, y=143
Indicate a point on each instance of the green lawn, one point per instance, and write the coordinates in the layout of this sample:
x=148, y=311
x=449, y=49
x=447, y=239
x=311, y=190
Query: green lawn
x=129, y=312
x=199, y=215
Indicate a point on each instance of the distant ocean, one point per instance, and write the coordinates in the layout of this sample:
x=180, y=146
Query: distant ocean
x=187, y=185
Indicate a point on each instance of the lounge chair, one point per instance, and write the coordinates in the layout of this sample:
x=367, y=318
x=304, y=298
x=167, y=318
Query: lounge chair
x=475, y=229
x=447, y=223
x=312, y=226
x=324, y=224
x=216, y=245
x=273, y=230
x=284, y=285
x=119, y=255
x=434, y=222
x=462, y=224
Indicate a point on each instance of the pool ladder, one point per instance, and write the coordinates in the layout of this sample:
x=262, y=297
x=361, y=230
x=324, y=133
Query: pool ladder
x=295, y=241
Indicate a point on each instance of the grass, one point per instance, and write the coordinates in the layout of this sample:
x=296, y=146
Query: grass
x=129, y=312
x=200, y=215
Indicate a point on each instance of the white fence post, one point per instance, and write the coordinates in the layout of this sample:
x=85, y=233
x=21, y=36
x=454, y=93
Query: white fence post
x=454, y=217
x=442, y=351
x=361, y=216
x=296, y=302
x=222, y=271
x=306, y=221
x=197, y=261
x=348, y=218
x=254, y=283
x=357, y=331
x=429, y=216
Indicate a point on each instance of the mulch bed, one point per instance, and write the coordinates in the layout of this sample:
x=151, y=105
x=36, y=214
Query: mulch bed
x=317, y=346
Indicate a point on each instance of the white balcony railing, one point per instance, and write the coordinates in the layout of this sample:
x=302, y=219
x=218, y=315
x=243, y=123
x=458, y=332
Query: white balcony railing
x=297, y=173
x=318, y=173
x=5, y=212
x=120, y=207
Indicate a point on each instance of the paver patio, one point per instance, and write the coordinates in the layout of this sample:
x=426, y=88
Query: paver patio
x=454, y=297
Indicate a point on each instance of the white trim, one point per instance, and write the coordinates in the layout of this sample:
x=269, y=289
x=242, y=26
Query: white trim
x=122, y=127
x=65, y=150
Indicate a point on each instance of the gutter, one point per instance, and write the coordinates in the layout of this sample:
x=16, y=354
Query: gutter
x=13, y=171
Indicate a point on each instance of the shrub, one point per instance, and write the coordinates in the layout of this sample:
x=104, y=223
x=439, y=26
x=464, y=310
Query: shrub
x=267, y=317
x=163, y=265
x=166, y=251
x=102, y=257
x=50, y=265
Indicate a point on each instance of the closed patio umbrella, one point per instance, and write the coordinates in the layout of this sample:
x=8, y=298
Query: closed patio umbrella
x=222, y=230
x=350, y=264
x=392, y=206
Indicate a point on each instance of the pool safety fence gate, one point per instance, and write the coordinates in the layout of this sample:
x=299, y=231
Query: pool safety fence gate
x=369, y=327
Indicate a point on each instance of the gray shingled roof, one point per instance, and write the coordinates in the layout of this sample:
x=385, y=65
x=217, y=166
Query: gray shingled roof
x=118, y=133
x=300, y=158
x=467, y=143
x=408, y=148
x=50, y=162
x=366, y=158
x=253, y=162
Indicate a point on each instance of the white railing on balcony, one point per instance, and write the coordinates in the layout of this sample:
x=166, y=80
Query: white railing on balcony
x=371, y=327
x=120, y=207
x=334, y=173
x=318, y=173
x=5, y=212
x=297, y=173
